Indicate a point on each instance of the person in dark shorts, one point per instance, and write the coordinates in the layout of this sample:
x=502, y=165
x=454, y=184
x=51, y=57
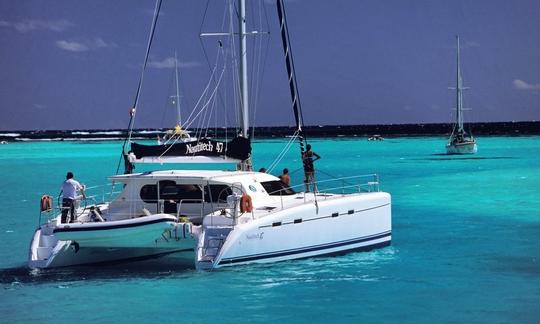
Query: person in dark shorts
x=70, y=188
x=309, y=169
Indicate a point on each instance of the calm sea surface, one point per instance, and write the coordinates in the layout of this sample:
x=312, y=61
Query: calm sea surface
x=465, y=249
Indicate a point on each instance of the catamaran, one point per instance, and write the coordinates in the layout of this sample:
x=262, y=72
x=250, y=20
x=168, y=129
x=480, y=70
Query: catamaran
x=460, y=141
x=219, y=218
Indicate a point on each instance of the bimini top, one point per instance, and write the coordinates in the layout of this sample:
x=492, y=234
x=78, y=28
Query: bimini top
x=195, y=175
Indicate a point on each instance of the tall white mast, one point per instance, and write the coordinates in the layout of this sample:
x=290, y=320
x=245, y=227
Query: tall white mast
x=244, y=100
x=459, y=92
x=244, y=97
x=244, y=103
x=178, y=113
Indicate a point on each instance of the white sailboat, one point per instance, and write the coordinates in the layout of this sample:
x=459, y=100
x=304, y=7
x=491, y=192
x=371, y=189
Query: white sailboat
x=460, y=142
x=222, y=218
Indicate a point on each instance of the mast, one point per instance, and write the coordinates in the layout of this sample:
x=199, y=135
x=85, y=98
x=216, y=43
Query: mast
x=133, y=109
x=178, y=114
x=293, y=86
x=459, y=93
x=244, y=100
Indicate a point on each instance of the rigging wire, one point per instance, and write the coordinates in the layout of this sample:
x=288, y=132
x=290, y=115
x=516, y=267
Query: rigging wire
x=208, y=102
x=223, y=22
x=210, y=114
x=189, y=120
x=205, y=95
x=260, y=62
x=283, y=152
x=202, y=109
x=167, y=101
x=150, y=40
x=139, y=87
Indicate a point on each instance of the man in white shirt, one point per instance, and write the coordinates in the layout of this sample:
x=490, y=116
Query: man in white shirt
x=70, y=187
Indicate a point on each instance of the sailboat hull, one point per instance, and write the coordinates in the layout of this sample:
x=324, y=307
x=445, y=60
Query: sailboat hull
x=337, y=226
x=60, y=245
x=462, y=148
x=67, y=255
x=138, y=232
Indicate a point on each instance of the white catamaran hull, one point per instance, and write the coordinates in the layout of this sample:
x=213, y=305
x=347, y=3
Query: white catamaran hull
x=336, y=226
x=461, y=148
x=89, y=243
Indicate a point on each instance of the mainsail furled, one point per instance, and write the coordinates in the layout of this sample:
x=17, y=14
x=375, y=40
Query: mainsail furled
x=293, y=87
x=201, y=150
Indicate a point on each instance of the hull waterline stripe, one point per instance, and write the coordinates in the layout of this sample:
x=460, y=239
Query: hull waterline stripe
x=308, y=249
x=108, y=227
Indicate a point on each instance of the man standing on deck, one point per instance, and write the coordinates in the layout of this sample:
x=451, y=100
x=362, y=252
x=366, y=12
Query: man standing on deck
x=309, y=169
x=69, y=194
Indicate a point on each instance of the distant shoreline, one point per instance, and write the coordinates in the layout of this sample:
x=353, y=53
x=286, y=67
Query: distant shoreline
x=394, y=130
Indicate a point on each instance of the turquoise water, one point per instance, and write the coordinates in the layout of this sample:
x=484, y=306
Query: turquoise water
x=465, y=244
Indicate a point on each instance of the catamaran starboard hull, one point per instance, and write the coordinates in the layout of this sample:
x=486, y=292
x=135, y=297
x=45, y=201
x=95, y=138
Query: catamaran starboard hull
x=336, y=226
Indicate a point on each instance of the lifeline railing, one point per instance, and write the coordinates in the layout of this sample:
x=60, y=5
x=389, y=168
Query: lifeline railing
x=370, y=184
x=92, y=194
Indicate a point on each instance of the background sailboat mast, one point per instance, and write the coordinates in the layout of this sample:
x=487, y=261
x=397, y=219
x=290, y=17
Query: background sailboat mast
x=244, y=100
x=178, y=113
x=459, y=93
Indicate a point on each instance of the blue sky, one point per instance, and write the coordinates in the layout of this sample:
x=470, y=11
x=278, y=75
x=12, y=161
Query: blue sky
x=76, y=64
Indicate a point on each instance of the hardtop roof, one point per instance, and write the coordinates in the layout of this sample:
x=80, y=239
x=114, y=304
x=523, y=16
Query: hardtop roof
x=194, y=175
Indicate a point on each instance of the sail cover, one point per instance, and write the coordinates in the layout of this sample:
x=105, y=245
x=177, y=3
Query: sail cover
x=201, y=150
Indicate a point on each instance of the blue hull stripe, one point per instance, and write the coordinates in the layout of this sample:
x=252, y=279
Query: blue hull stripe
x=313, y=248
x=108, y=227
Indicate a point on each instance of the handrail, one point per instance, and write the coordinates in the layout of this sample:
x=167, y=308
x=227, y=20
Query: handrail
x=186, y=200
x=374, y=177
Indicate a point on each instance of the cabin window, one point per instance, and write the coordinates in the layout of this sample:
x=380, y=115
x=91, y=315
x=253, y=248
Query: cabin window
x=217, y=193
x=189, y=191
x=169, y=190
x=277, y=188
x=149, y=193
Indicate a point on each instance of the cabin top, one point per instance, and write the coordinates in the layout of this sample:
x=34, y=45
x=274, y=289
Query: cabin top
x=196, y=175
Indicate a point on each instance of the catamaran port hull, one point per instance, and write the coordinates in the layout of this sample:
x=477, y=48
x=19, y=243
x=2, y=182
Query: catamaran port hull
x=93, y=243
x=68, y=254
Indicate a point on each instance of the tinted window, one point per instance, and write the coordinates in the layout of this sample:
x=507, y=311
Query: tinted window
x=167, y=189
x=277, y=188
x=149, y=193
x=217, y=193
x=188, y=192
x=171, y=191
